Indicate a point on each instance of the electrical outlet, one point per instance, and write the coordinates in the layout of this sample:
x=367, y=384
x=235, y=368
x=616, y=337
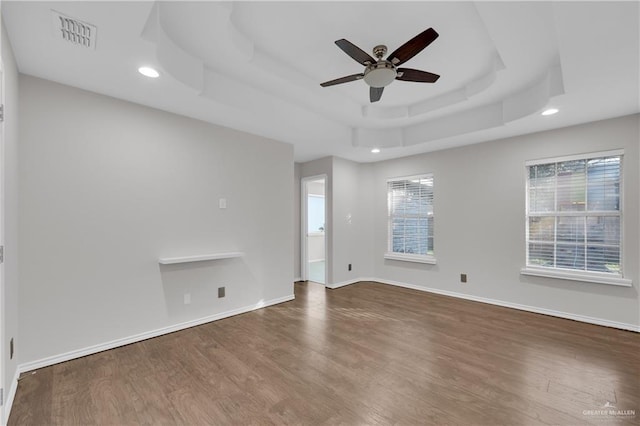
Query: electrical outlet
x=349, y=266
x=220, y=292
x=463, y=278
x=187, y=298
x=11, y=348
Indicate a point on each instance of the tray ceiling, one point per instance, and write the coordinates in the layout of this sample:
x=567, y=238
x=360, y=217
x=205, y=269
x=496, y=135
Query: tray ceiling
x=256, y=66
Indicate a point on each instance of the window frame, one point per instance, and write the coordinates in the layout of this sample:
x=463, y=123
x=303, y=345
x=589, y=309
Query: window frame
x=610, y=278
x=408, y=257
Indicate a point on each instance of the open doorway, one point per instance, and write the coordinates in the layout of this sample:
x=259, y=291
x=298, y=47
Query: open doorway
x=2, y=307
x=314, y=247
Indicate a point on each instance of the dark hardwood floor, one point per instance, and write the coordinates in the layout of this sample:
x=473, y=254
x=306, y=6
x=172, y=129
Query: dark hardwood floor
x=367, y=354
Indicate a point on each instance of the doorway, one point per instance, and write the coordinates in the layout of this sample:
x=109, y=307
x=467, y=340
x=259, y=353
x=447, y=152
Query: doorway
x=314, y=229
x=2, y=307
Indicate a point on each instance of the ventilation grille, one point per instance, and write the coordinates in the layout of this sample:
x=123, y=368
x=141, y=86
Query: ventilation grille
x=74, y=31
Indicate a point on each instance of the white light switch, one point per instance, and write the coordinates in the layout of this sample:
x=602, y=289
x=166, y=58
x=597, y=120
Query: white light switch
x=187, y=298
x=222, y=203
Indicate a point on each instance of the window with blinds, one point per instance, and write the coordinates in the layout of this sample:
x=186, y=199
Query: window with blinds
x=410, y=207
x=574, y=213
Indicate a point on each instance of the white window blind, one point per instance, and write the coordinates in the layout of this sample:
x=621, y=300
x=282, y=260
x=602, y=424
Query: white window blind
x=574, y=214
x=410, y=206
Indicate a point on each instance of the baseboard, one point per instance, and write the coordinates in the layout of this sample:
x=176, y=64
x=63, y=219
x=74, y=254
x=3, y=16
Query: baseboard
x=534, y=309
x=298, y=279
x=349, y=282
x=45, y=362
x=11, y=394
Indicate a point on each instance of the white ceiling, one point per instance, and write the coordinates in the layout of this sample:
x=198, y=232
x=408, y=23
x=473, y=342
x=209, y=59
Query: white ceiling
x=256, y=66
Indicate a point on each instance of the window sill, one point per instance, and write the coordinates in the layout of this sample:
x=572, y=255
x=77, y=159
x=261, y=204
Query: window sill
x=411, y=258
x=592, y=277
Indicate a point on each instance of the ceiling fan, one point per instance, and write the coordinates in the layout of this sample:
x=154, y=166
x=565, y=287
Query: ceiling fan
x=381, y=72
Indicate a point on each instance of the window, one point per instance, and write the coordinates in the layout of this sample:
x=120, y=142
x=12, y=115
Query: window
x=574, y=218
x=410, y=207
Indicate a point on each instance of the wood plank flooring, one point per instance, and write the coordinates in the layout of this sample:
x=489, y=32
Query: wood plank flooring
x=365, y=354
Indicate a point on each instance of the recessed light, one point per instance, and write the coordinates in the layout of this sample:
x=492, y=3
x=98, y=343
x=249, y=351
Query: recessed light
x=149, y=72
x=550, y=111
x=375, y=150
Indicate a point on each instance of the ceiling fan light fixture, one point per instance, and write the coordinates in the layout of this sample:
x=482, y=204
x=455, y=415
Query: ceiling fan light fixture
x=380, y=74
x=550, y=111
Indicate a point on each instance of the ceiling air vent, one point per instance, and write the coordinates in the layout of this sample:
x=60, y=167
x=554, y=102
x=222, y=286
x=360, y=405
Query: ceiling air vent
x=74, y=31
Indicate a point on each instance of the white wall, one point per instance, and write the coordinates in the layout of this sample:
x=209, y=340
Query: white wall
x=365, y=226
x=348, y=211
x=9, y=306
x=480, y=221
x=107, y=187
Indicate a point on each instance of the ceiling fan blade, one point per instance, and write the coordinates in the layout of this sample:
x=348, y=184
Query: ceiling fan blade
x=341, y=80
x=375, y=93
x=355, y=52
x=408, y=74
x=414, y=46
